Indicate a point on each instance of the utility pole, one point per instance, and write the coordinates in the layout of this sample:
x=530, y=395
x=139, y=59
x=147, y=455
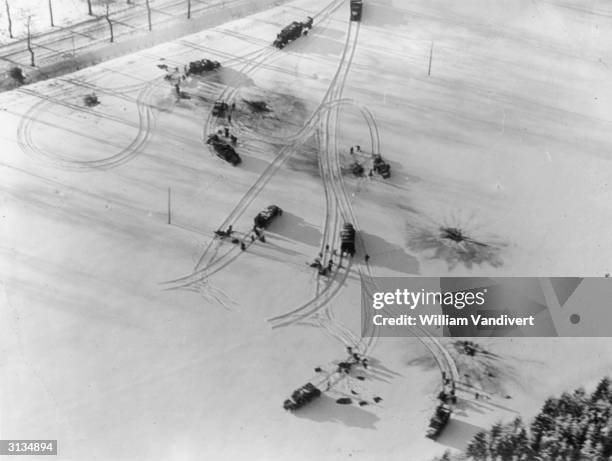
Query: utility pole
x=169, y=208
x=110, y=24
x=430, y=57
x=8, y=17
x=148, y=14
x=51, y=13
x=30, y=41
x=188, y=9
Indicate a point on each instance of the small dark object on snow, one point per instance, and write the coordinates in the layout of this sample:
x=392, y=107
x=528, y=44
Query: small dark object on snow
x=223, y=149
x=265, y=217
x=219, y=109
x=344, y=401
x=236, y=241
x=16, y=73
x=344, y=367
x=363, y=403
x=301, y=397
x=163, y=66
x=91, y=100
x=318, y=369
x=357, y=169
x=470, y=348
x=452, y=233
x=361, y=378
x=242, y=246
x=356, y=8
x=233, y=139
x=257, y=106
x=354, y=393
x=439, y=421
x=380, y=166
x=291, y=32
x=347, y=237
x=377, y=399
x=201, y=66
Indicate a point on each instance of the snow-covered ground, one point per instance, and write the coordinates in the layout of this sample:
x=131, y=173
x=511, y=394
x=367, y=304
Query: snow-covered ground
x=508, y=137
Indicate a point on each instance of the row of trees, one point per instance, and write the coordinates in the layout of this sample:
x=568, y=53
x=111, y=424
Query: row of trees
x=90, y=3
x=106, y=4
x=573, y=427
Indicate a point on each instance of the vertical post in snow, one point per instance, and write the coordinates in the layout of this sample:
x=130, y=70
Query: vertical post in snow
x=430, y=57
x=51, y=13
x=148, y=14
x=188, y=9
x=8, y=17
x=32, y=62
x=169, y=211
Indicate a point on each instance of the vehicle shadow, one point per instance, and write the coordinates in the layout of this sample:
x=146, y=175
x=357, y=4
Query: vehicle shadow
x=295, y=228
x=458, y=434
x=325, y=409
x=388, y=255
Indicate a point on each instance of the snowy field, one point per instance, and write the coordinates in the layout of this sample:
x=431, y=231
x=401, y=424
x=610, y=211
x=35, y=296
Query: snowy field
x=125, y=337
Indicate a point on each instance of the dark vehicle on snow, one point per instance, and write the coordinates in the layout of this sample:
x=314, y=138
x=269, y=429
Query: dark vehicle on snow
x=347, y=239
x=439, y=421
x=356, y=8
x=224, y=150
x=292, y=32
x=300, y=397
x=201, y=66
x=357, y=169
x=265, y=217
x=219, y=109
x=381, y=167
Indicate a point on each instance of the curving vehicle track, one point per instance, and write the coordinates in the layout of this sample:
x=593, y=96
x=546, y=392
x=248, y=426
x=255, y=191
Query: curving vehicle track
x=207, y=266
x=144, y=126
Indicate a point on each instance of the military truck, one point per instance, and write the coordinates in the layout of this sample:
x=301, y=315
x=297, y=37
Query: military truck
x=219, y=109
x=201, y=66
x=265, y=217
x=439, y=421
x=300, y=397
x=356, y=8
x=223, y=149
x=381, y=167
x=292, y=32
x=347, y=239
